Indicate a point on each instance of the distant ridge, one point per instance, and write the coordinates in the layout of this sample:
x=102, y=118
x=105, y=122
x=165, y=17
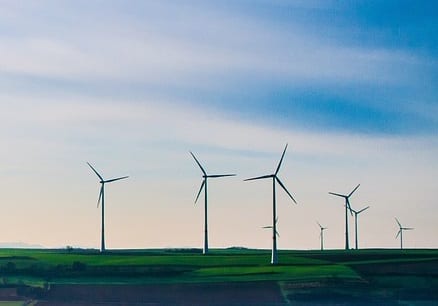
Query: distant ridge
x=237, y=248
x=20, y=245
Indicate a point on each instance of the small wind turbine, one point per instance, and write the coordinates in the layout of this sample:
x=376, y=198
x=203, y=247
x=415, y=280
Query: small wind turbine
x=270, y=226
x=347, y=207
x=274, y=257
x=400, y=232
x=204, y=185
x=355, y=222
x=102, y=199
x=321, y=235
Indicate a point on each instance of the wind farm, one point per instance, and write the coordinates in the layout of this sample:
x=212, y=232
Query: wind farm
x=178, y=275
x=245, y=128
x=50, y=276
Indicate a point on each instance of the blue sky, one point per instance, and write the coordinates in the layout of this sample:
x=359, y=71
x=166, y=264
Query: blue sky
x=357, y=66
x=132, y=88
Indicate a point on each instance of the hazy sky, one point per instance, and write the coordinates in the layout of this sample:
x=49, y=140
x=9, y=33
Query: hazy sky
x=132, y=86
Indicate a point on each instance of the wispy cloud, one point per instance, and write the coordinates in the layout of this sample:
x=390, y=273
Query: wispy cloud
x=211, y=44
x=223, y=55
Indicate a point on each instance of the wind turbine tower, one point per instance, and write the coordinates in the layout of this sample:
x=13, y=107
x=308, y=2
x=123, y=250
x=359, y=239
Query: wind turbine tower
x=347, y=207
x=356, y=213
x=400, y=232
x=275, y=179
x=321, y=235
x=102, y=199
x=205, y=178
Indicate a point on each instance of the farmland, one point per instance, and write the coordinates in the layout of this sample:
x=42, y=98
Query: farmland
x=238, y=275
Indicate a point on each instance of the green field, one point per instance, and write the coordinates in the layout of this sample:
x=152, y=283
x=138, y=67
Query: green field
x=35, y=267
x=299, y=272
x=181, y=266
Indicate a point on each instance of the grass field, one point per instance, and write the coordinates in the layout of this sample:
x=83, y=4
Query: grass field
x=335, y=274
x=158, y=266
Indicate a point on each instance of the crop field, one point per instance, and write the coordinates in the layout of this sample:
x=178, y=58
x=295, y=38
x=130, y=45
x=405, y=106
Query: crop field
x=223, y=277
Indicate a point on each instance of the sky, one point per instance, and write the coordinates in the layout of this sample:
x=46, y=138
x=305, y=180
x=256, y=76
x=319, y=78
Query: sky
x=132, y=87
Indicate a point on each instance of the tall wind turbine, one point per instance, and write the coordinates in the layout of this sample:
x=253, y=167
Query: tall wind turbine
x=400, y=232
x=347, y=207
x=274, y=257
x=102, y=199
x=205, y=176
x=355, y=221
x=321, y=235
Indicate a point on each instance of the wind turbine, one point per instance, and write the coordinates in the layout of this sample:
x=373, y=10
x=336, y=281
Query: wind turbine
x=274, y=257
x=102, y=199
x=355, y=221
x=270, y=226
x=204, y=185
x=347, y=207
x=400, y=232
x=321, y=235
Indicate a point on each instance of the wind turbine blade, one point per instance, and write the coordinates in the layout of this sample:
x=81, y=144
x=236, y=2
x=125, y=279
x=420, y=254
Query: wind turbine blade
x=200, y=189
x=267, y=226
x=363, y=209
x=220, y=175
x=338, y=194
x=281, y=184
x=398, y=233
x=319, y=224
x=100, y=195
x=351, y=209
x=281, y=160
x=259, y=177
x=398, y=222
x=199, y=164
x=408, y=228
x=116, y=179
x=353, y=190
x=347, y=203
x=277, y=234
x=98, y=175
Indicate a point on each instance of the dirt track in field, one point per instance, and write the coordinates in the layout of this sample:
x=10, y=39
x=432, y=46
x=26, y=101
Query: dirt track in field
x=215, y=294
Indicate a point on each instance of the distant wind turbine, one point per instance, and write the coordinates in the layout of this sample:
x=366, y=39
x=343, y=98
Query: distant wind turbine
x=321, y=235
x=270, y=226
x=102, y=199
x=274, y=257
x=355, y=222
x=205, y=176
x=347, y=207
x=400, y=232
